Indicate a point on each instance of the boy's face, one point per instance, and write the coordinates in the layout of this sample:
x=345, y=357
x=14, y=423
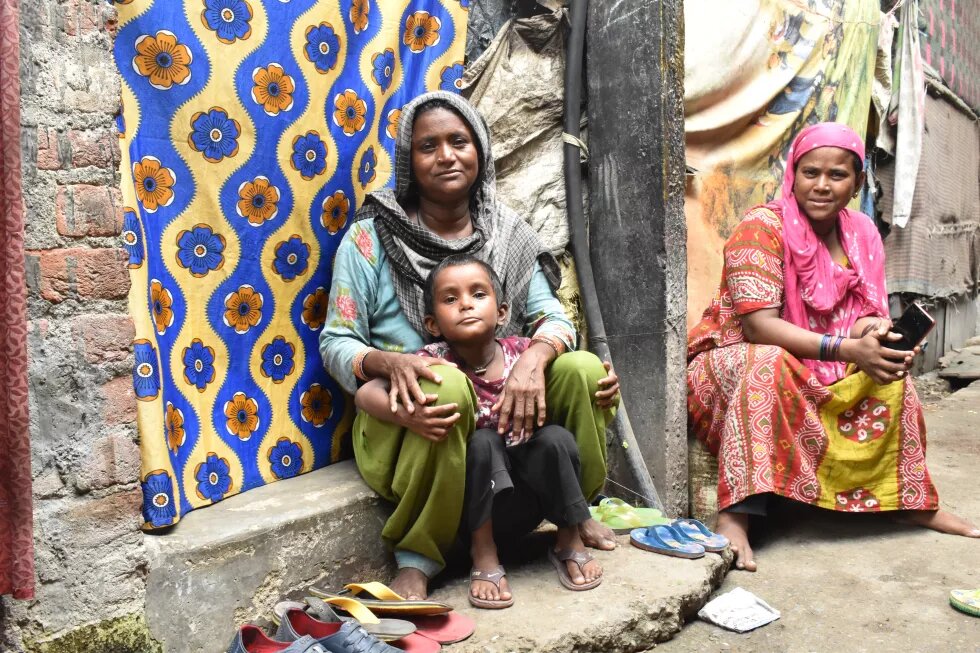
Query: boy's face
x=464, y=305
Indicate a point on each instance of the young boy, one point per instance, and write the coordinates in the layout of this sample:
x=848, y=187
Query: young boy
x=513, y=480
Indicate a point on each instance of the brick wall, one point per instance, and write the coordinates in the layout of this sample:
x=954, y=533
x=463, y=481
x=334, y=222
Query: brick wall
x=90, y=558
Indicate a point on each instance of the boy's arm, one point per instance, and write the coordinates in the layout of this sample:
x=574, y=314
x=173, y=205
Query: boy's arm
x=372, y=398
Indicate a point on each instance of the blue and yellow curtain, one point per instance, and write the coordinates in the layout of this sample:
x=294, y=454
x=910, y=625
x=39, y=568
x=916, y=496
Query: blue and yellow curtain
x=251, y=131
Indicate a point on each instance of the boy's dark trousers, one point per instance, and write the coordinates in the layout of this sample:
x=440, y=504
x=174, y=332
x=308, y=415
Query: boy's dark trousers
x=521, y=485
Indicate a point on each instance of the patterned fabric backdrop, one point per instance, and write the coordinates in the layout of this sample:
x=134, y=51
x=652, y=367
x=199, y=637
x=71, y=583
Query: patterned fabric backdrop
x=252, y=129
x=756, y=73
x=951, y=44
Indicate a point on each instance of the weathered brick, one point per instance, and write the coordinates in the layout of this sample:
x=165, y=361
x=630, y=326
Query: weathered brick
x=84, y=17
x=113, y=460
x=82, y=272
x=84, y=210
x=93, y=147
x=120, y=401
x=103, y=521
x=104, y=338
x=50, y=153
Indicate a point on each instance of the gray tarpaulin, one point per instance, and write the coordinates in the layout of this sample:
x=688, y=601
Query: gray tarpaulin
x=518, y=85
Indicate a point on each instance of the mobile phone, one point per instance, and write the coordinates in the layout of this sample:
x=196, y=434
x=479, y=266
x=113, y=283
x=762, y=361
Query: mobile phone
x=914, y=325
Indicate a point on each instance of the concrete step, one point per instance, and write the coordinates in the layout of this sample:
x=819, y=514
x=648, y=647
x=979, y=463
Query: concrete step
x=229, y=563
x=644, y=599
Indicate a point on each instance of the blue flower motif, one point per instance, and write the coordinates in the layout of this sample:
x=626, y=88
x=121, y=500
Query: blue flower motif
x=198, y=364
x=213, y=478
x=286, y=458
x=277, y=359
x=228, y=18
x=200, y=250
x=146, y=375
x=309, y=155
x=465, y=4
x=322, y=47
x=452, y=78
x=132, y=237
x=159, y=507
x=365, y=172
x=291, y=258
x=215, y=134
x=384, y=68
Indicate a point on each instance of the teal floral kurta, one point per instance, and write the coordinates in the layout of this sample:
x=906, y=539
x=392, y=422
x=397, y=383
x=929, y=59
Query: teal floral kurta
x=364, y=310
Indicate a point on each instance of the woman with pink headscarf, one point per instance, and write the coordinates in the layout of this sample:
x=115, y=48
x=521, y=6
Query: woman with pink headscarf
x=791, y=382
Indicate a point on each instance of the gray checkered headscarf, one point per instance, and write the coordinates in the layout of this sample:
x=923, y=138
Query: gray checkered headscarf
x=500, y=236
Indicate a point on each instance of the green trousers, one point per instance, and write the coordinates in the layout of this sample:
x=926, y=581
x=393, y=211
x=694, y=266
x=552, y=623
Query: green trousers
x=426, y=480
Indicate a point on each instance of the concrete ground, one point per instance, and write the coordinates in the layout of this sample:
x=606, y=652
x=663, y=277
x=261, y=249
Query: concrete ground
x=859, y=583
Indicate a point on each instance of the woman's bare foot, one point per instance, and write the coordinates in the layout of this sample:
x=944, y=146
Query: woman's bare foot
x=735, y=526
x=569, y=538
x=940, y=520
x=483, y=550
x=596, y=535
x=410, y=583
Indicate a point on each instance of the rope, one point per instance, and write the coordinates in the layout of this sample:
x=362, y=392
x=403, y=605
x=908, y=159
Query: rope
x=572, y=140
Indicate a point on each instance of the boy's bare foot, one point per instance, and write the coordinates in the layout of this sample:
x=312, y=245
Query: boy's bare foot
x=569, y=538
x=483, y=550
x=411, y=583
x=596, y=535
x=940, y=520
x=735, y=526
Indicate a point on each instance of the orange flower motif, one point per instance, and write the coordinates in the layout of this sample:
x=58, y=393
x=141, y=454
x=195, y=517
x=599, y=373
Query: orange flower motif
x=421, y=31
x=349, y=114
x=273, y=89
x=317, y=405
x=393, y=116
x=335, y=210
x=161, y=305
x=359, y=11
x=243, y=416
x=243, y=309
x=315, y=309
x=154, y=183
x=174, y=427
x=163, y=60
x=258, y=201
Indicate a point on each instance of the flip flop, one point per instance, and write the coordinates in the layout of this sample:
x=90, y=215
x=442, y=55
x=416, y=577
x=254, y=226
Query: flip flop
x=581, y=558
x=445, y=628
x=416, y=643
x=384, y=629
x=664, y=539
x=621, y=517
x=385, y=601
x=494, y=576
x=691, y=530
x=967, y=601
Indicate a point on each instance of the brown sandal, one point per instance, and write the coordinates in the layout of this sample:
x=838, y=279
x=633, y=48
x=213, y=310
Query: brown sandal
x=581, y=558
x=494, y=576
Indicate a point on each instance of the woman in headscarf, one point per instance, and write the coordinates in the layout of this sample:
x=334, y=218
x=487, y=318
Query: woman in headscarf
x=791, y=381
x=444, y=203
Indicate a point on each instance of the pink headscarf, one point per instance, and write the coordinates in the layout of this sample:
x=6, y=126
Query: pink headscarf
x=819, y=294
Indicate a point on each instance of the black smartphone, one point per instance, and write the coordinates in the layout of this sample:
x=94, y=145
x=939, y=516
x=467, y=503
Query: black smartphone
x=914, y=325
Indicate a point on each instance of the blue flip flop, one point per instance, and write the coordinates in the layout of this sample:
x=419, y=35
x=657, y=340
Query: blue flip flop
x=691, y=530
x=664, y=539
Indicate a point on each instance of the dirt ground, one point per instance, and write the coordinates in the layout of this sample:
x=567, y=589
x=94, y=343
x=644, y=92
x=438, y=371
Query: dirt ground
x=856, y=583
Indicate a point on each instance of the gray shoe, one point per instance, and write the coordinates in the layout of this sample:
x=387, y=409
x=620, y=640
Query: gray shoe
x=346, y=637
x=249, y=639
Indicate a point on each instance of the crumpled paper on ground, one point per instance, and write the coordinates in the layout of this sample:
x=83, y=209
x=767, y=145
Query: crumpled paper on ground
x=739, y=610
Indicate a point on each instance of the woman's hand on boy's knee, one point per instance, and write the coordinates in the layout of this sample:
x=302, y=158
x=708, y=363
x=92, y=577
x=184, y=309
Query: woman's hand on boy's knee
x=608, y=394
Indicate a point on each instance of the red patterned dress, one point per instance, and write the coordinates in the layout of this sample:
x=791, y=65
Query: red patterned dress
x=853, y=445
